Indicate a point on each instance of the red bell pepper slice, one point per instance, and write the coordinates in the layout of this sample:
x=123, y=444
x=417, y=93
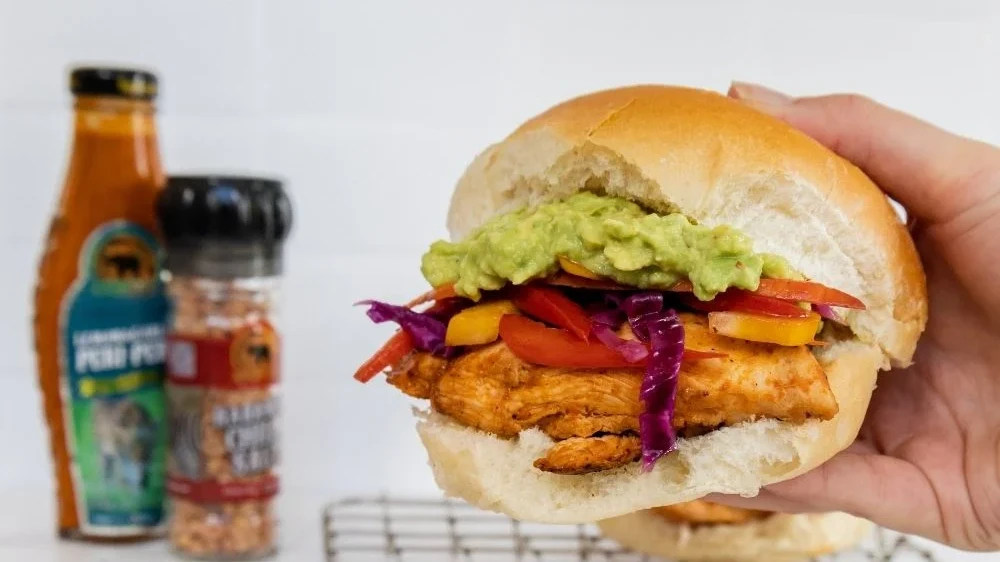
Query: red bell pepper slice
x=446, y=307
x=391, y=353
x=785, y=289
x=807, y=291
x=577, y=282
x=550, y=305
x=535, y=343
x=736, y=300
x=792, y=290
x=435, y=294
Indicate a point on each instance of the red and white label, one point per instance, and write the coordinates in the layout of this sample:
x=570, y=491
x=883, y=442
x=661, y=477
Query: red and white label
x=216, y=404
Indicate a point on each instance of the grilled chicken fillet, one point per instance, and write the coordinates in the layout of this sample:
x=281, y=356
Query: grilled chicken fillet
x=490, y=389
x=701, y=512
x=580, y=455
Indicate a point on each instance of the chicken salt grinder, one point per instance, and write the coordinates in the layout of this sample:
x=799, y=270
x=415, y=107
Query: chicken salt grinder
x=224, y=237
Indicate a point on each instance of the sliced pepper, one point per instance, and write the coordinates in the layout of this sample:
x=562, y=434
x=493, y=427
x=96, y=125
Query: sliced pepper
x=535, y=343
x=390, y=354
x=446, y=308
x=577, y=269
x=807, y=291
x=479, y=324
x=435, y=294
x=577, y=282
x=784, y=289
x=736, y=300
x=792, y=290
x=550, y=305
x=767, y=329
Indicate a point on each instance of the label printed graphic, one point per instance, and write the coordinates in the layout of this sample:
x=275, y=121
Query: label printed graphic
x=223, y=414
x=113, y=354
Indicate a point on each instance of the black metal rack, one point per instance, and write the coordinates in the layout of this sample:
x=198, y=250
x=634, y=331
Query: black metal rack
x=440, y=530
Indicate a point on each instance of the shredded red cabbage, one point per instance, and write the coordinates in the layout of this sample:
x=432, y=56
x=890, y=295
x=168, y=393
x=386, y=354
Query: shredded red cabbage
x=828, y=313
x=656, y=432
x=659, y=387
x=615, y=300
x=663, y=331
x=611, y=318
x=426, y=329
x=633, y=351
x=642, y=308
x=606, y=322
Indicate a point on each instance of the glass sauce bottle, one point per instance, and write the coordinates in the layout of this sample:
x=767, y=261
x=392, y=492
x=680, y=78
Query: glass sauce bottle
x=100, y=314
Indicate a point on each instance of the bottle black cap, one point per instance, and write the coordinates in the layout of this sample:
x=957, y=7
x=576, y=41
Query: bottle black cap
x=224, y=226
x=130, y=83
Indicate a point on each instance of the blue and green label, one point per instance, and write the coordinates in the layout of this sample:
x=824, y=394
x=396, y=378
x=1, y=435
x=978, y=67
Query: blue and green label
x=114, y=340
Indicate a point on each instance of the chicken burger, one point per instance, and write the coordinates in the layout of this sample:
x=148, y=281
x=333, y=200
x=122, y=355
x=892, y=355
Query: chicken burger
x=650, y=294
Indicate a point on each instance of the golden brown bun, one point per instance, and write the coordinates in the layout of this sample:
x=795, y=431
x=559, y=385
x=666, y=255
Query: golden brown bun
x=497, y=474
x=719, y=162
x=778, y=538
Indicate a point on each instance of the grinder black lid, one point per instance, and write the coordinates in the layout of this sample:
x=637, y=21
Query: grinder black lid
x=224, y=226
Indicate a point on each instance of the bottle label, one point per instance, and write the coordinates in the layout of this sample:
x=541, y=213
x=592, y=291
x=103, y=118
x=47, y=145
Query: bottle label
x=223, y=415
x=113, y=360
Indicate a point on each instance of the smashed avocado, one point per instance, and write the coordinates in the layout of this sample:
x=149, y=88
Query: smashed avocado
x=611, y=237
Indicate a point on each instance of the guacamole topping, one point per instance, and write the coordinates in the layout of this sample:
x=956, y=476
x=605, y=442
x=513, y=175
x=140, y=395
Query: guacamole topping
x=611, y=237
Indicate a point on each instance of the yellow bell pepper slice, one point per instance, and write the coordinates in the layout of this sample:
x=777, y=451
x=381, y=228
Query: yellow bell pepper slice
x=575, y=268
x=766, y=329
x=479, y=324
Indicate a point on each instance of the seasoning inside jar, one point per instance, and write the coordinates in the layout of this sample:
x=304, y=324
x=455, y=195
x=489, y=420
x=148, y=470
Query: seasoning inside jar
x=224, y=237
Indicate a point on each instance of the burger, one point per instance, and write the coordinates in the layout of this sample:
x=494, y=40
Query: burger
x=650, y=294
x=704, y=531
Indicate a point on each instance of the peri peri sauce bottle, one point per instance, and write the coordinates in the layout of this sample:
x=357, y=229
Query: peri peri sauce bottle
x=100, y=315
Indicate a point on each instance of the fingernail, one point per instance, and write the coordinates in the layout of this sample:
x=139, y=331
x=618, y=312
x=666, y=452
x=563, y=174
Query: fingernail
x=755, y=94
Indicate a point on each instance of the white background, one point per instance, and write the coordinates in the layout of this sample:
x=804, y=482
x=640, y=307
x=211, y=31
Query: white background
x=371, y=110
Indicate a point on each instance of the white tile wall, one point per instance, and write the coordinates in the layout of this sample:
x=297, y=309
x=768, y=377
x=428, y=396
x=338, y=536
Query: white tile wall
x=371, y=110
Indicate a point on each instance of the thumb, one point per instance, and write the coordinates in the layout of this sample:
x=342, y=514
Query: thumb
x=934, y=174
x=889, y=491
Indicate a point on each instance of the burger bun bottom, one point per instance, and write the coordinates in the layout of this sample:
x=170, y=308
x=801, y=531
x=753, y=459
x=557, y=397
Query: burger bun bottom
x=777, y=538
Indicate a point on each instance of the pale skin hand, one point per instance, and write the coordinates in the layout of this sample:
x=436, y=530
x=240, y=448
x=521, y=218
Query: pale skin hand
x=927, y=460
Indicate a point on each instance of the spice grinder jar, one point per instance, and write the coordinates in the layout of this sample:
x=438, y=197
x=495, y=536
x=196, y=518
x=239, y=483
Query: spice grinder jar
x=224, y=237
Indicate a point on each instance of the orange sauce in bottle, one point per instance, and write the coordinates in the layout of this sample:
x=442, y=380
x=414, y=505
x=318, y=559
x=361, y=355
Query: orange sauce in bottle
x=100, y=315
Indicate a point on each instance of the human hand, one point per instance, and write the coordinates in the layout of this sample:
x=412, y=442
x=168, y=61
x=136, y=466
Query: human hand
x=927, y=460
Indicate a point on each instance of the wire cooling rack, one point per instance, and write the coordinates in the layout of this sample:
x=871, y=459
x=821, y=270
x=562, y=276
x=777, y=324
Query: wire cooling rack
x=422, y=530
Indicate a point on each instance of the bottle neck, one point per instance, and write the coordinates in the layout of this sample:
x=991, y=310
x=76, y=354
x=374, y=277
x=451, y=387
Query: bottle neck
x=110, y=116
x=115, y=148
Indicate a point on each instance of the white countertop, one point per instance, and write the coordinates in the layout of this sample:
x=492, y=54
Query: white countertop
x=26, y=534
